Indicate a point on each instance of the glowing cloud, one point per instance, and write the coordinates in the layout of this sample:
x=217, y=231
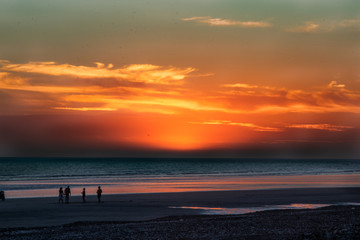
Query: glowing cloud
x=227, y=22
x=145, y=73
x=247, y=125
x=326, y=127
x=240, y=85
x=334, y=84
x=139, y=104
x=91, y=91
x=85, y=109
x=331, y=98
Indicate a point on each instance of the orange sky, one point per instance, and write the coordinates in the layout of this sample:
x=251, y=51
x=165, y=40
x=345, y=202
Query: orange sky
x=227, y=79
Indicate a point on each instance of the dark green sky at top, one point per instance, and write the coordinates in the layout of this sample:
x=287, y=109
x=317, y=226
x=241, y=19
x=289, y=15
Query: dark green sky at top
x=138, y=31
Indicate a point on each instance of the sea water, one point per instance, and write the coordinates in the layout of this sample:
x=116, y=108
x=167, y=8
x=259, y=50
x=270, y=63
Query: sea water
x=39, y=177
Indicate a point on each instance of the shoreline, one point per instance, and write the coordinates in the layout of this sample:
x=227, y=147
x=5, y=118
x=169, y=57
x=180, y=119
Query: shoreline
x=116, y=195
x=181, y=184
x=41, y=212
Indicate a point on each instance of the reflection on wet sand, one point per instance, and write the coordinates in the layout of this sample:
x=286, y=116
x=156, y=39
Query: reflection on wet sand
x=224, y=211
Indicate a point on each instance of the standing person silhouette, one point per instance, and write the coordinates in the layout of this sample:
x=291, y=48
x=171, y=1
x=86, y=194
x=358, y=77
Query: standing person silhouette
x=61, y=195
x=83, y=193
x=99, y=191
x=2, y=195
x=67, y=194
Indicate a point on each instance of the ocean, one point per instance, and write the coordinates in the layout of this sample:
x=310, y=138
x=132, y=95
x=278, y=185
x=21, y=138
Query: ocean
x=42, y=177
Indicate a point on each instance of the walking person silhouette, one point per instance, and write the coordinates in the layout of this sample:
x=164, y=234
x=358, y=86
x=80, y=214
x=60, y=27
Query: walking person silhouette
x=61, y=195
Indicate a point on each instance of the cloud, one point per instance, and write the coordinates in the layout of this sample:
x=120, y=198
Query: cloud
x=307, y=27
x=227, y=22
x=85, y=109
x=240, y=85
x=333, y=97
x=334, y=84
x=90, y=95
x=302, y=108
x=326, y=127
x=139, y=104
x=254, y=127
x=144, y=73
x=350, y=23
x=64, y=90
x=253, y=90
x=327, y=26
x=8, y=79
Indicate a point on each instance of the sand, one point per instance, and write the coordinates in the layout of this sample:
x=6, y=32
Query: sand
x=148, y=216
x=40, y=212
x=335, y=222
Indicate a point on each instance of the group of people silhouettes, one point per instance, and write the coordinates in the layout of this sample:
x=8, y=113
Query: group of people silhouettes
x=67, y=193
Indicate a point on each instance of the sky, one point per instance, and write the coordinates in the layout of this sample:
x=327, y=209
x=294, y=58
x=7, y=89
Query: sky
x=206, y=78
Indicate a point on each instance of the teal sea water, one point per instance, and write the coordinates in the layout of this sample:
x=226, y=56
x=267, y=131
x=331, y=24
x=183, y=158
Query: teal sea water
x=33, y=177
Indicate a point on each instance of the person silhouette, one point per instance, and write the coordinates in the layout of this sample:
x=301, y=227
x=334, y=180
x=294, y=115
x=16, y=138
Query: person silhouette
x=67, y=194
x=99, y=191
x=83, y=193
x=61, y=195
x=2, y=195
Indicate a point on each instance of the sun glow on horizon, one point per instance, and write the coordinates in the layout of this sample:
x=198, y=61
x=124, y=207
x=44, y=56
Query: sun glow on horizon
x=189, y=115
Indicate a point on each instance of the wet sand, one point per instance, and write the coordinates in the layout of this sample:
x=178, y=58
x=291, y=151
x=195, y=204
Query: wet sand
x=334, y=222
x=39, y=212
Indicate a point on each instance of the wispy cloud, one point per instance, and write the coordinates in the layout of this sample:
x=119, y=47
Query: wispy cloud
x=145, y=73
x=240, y=85
x=326, y=127
x=141, y=103
x=227, y=22
x=304, y=27
x=326, y=26
x=350, y=23
x=307, y=27
x=85, y=109
x=254, y=127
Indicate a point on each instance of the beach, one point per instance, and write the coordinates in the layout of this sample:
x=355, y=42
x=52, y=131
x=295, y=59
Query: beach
x=32, y=213
x=180, y=199
x=339, y=222
x=221, y=119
